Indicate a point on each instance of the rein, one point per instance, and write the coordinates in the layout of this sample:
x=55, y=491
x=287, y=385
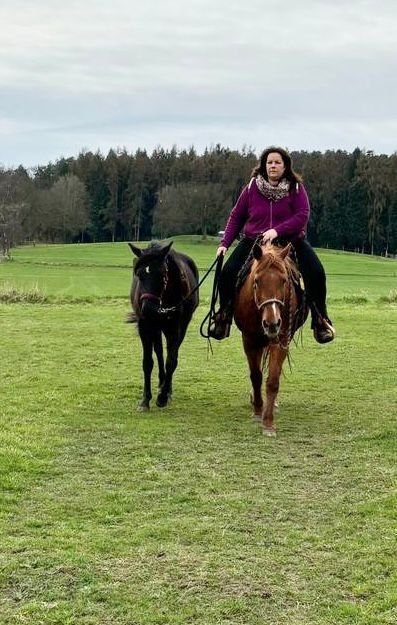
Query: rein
x=215, y=291
x=171, y=309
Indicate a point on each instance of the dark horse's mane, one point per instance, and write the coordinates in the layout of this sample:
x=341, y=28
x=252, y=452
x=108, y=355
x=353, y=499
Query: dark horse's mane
x=149, y=254
x=152, y=252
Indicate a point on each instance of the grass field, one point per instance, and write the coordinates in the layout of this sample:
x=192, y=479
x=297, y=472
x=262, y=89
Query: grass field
x=188, y=515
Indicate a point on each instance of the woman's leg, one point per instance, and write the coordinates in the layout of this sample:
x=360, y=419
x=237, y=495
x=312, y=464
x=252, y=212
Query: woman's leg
x=221, y=324
x=313, y=276
x=316, y=289
x=228, y=277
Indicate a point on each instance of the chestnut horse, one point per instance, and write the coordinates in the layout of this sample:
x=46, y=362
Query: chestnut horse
x=164, y=295
x=268, y=313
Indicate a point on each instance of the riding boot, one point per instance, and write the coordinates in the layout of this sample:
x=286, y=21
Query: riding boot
x=323, y=329
x=221, y=324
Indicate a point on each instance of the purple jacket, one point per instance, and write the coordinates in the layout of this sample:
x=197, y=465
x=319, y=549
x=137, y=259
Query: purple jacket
x=254, y=214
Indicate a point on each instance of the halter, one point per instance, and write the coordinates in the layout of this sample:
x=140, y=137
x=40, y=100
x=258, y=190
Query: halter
x=275, y=300
x=272, y=300
x=152, y=296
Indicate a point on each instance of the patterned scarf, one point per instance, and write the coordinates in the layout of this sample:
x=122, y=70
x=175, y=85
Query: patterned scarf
x=270, y=192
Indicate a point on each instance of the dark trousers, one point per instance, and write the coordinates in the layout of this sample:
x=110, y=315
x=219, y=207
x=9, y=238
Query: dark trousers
x=309, y=264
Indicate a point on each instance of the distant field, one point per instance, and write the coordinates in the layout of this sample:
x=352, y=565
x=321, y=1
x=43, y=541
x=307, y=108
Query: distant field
x=189, y=515
x=104, y=270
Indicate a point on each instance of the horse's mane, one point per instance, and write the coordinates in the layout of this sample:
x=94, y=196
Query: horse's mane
x=149, y=254
x=271, y=257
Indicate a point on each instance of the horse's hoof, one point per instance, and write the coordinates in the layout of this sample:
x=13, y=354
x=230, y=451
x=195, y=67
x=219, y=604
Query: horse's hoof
x=161, y=402
x=142, y=408
x=270, y=432
x=256, y=417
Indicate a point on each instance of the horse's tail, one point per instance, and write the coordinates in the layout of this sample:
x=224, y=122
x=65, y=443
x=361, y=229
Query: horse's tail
x=132, y=317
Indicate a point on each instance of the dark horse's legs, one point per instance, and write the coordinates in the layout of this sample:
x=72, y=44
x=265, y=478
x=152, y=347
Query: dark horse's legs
x=158, y=348
x=174, y=336
x=146, y=336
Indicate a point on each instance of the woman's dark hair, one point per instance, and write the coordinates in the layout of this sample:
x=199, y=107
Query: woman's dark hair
x=289, y=173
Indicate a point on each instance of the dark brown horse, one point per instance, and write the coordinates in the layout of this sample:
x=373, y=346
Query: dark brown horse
x=267, y=312
x=162, y=279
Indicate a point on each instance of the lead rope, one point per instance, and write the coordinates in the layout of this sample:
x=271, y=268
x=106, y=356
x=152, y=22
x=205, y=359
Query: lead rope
x=171, y=309
x=210, y=316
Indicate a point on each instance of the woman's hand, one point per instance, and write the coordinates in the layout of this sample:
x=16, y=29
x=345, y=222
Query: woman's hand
x=269, y=235
x=221, y=251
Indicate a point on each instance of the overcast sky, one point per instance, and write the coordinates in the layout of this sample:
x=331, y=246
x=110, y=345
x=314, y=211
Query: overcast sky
x=90, y=74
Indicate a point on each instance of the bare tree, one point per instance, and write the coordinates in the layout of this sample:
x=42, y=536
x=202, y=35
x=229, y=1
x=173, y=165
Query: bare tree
x=14, y=206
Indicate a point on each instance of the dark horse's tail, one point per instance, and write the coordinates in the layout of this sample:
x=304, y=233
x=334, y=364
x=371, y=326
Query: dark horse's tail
x=131, y=317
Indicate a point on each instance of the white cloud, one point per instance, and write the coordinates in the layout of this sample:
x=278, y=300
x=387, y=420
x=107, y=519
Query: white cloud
x=101, y=74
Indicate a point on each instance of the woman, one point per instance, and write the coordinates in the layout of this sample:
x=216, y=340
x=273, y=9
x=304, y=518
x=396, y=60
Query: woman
x=275, y=205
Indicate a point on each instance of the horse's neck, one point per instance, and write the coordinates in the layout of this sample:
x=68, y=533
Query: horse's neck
x=177, y=278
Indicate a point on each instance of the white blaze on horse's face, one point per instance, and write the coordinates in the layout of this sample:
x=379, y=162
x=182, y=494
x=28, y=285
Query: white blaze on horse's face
x=269, y=290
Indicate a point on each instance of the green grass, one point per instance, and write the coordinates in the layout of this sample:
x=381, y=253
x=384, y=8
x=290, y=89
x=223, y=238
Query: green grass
x=188, y=514
x=103, y=270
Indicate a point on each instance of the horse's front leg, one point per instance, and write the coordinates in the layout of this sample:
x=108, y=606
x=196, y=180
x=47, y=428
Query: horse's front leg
x=158, y=348
x=173, y=342
x=275, y=364
x=147, y=364
x=254, y=356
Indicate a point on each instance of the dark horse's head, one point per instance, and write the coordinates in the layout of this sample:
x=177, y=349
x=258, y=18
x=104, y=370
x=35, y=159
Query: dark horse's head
x=150, y=278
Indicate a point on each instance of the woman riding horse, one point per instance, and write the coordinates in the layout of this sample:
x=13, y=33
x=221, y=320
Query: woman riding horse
x=274, y=205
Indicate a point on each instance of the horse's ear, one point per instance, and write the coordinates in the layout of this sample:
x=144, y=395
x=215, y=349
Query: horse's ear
x=285, y=251
x=257, y=251
x=135, y=250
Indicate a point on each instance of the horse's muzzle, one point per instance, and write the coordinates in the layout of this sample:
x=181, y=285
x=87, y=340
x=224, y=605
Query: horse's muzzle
x=150, y=308
x=271, y=330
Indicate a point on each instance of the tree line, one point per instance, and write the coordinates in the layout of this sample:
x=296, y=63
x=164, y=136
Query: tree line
x=139, y=196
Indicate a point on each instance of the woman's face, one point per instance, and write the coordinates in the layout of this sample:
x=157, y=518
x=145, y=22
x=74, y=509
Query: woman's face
x=275, y=167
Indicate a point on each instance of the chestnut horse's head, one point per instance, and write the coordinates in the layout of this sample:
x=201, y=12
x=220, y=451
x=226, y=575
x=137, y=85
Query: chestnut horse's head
x=270, y=275
x=150, y=278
